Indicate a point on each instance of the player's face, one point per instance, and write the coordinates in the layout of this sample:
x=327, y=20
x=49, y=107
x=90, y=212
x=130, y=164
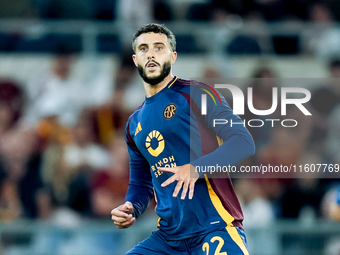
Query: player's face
x=153, y=57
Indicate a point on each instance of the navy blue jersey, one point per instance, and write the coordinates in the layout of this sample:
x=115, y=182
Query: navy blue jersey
x=169, y=130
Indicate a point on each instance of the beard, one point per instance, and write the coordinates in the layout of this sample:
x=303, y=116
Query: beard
x=166, y=68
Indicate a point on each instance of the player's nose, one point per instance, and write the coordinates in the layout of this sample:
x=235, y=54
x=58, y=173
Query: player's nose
x=150, y=54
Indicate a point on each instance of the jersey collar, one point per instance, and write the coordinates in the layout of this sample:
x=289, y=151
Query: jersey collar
x=149, y=100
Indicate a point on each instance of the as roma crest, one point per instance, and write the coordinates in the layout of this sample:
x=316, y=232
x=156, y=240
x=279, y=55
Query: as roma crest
x=169, y=111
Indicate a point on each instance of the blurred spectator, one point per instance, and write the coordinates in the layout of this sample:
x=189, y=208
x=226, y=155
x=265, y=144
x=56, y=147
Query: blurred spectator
x=258, y=213
x=133, y=13
x=10, y=204
x=109, y=185
x=323, y=101
x=111, y=116
x=301, y=196
x=83, y=152
x=335, y=207
x=333, y=136
x=21, y=162
x=326, y=97
x=125, y=81
x=57, y=93
x=19, y=158
x=44, y=203
x=262, y=83
x=216, y=67
x=284, y=147
x=69, y=167
x=257, y=208
x=11, y=105
x=320, y=13
x=330, y=202
x=211, y=72
x=50, y=131
x=323, y=35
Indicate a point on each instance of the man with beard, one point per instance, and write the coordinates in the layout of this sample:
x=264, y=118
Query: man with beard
x=168, y=139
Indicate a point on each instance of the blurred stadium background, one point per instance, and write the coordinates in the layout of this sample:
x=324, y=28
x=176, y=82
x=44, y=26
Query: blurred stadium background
x=67, y=86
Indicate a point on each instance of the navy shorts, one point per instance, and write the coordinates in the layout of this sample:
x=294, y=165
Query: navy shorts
x=229, y=241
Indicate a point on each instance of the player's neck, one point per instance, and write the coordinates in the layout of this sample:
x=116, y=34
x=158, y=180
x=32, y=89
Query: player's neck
x=151, y=90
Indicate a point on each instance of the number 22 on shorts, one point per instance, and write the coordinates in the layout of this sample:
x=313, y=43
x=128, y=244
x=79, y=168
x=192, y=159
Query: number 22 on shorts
x=206, y=246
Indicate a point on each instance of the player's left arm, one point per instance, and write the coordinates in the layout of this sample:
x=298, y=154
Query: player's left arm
x=238, y=145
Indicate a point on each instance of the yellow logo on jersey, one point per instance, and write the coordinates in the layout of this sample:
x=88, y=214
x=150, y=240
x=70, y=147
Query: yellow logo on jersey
x=138, y=129
x=169, y=111
x=161, y=144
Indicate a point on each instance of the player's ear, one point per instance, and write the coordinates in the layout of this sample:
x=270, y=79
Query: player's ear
x=134, y=59
x=173, y=57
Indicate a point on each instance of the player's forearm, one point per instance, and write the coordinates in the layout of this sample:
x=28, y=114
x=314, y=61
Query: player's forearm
x=238, y=147
x=140, y=197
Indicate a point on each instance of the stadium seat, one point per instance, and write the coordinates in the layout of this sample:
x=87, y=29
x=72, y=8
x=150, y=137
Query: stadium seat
x=34, y=45
x=105, y=10
x=286, y=45
x=7, y=42
x=162, y=11
x=187, y=44
x=49, y=43
x=199, y=12
x=108, y=43
x=243, y=45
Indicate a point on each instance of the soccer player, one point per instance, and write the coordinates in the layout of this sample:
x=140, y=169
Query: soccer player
x=170, y=139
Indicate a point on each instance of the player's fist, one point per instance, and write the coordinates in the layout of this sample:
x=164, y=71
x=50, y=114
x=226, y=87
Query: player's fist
x=127, y=207
x=122, y=215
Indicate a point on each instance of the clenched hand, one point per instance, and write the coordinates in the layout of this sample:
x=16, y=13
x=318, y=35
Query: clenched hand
x=122, y=215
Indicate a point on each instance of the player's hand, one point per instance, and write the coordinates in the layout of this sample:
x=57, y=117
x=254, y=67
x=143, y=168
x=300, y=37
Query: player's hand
x=122, y=215
x=186, y=177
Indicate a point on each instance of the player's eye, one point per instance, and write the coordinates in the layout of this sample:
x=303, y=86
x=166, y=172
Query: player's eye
x=143, y=48
x=159, y=47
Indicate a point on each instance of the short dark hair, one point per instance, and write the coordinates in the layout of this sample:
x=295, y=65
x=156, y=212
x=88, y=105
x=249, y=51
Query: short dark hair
x=157, y=29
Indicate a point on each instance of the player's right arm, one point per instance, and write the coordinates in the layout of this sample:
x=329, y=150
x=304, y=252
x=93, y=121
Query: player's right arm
x=140, y=191
x=122, y=215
